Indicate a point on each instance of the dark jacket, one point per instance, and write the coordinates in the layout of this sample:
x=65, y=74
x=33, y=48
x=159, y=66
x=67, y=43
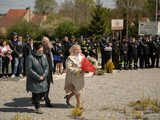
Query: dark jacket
x=17, y=48
x=147, y=49
x=27, y=49
x=133, y=49
x=49, y=55
x=124, y=48
x=141, y=47
x=157, y=46
x=66, y=48
x=13, y=44
x=37, y=66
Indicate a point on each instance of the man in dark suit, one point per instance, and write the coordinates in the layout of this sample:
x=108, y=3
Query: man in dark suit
x=47, y=49
x=28, y=49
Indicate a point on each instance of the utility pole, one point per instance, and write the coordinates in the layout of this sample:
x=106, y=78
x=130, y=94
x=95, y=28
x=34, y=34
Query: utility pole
x=157, y=10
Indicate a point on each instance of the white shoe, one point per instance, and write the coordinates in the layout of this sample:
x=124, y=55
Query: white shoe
x=13, y=76
x=21, y=75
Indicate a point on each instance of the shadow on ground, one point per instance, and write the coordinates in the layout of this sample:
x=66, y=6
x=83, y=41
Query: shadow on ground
x=20, y=102
x=20, y=110
x=27, y=102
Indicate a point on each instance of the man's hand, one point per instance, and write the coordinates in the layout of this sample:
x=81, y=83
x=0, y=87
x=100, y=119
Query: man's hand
x=20, y=55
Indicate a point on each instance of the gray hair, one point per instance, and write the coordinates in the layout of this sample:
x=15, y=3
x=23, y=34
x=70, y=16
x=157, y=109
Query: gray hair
x=46, y=40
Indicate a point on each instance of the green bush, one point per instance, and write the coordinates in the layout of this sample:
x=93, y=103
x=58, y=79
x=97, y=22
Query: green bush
x=67, y=28
x=23, y=28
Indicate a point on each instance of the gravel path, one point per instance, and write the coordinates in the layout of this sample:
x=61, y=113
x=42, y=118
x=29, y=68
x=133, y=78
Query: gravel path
x=115, y=89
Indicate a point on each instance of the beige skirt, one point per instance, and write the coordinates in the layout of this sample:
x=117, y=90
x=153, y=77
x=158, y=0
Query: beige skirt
x=74, y=83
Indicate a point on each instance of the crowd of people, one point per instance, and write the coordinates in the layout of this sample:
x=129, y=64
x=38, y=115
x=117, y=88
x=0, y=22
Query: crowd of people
x=133, y=53
x=38, y=61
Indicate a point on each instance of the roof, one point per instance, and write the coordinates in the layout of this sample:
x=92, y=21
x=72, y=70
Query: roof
x=12, y=17
x=16, y=12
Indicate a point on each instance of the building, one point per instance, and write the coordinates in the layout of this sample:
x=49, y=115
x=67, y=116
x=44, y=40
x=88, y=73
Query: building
x=15, y=15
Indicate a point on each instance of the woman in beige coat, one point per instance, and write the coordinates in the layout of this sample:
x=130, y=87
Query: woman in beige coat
x=74, y=82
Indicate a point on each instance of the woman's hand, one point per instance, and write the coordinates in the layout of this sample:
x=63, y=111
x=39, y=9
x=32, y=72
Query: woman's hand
x=41, y=78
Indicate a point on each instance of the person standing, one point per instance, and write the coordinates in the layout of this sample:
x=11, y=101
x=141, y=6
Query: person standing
x=141, y=52
x=106, y=50
x=6, y=57
x=66, y=46
x=133, y=54
x=115, y=52
x=147, y=52
x=48, y=47
x=28, y=49
x=58, y=57
x=37, y=70
x=13, y=43
x=124, y=54
x=19, y=52
x=95, y=47
x=157, y=56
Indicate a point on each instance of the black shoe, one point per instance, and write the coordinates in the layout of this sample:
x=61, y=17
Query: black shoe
x=67, y=99
x=38, y=111
x=67, y=102
x=49, y=105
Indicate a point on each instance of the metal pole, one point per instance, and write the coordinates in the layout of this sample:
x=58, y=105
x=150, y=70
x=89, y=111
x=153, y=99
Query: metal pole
x=156, y=10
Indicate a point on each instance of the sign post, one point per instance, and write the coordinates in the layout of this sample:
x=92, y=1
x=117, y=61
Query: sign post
x=148, y=28
x=117, y=25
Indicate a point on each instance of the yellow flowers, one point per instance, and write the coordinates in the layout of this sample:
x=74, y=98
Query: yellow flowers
x=21, y=117
x=146, y=103
x=77, y=112
x=109, y=66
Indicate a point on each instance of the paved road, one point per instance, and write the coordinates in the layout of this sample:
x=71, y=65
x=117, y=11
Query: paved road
x=115, y=89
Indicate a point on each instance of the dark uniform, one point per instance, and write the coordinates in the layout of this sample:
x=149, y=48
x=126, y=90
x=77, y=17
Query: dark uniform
x=153, y=53
x=93, y=51
x=147, y=51
x=124, y=54
x=141, y=52
x=66, y=46
x=106, y=53
x=84, y=48
x=157, y=52
x=115, y=53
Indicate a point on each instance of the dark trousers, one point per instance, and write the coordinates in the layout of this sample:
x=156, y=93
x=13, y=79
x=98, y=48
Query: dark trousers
x=155, y=60
x=123, y=61
x=46, y=95
x=105, y=57
x=115, y=59
x=36, y=97
x=147, y=63
x=141, y=61
x=133, y=61
x=24, y=66
x=64, y=62
x=5, y=64
x=54, y=69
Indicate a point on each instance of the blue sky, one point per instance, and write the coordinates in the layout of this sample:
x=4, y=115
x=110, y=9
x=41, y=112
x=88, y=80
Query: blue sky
x=5, y=5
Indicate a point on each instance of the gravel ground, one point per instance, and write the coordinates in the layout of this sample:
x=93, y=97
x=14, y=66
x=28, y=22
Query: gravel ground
x=115, y=89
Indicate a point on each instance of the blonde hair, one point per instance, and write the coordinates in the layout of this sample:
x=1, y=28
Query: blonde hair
x=71, y=50
x=46, y=39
